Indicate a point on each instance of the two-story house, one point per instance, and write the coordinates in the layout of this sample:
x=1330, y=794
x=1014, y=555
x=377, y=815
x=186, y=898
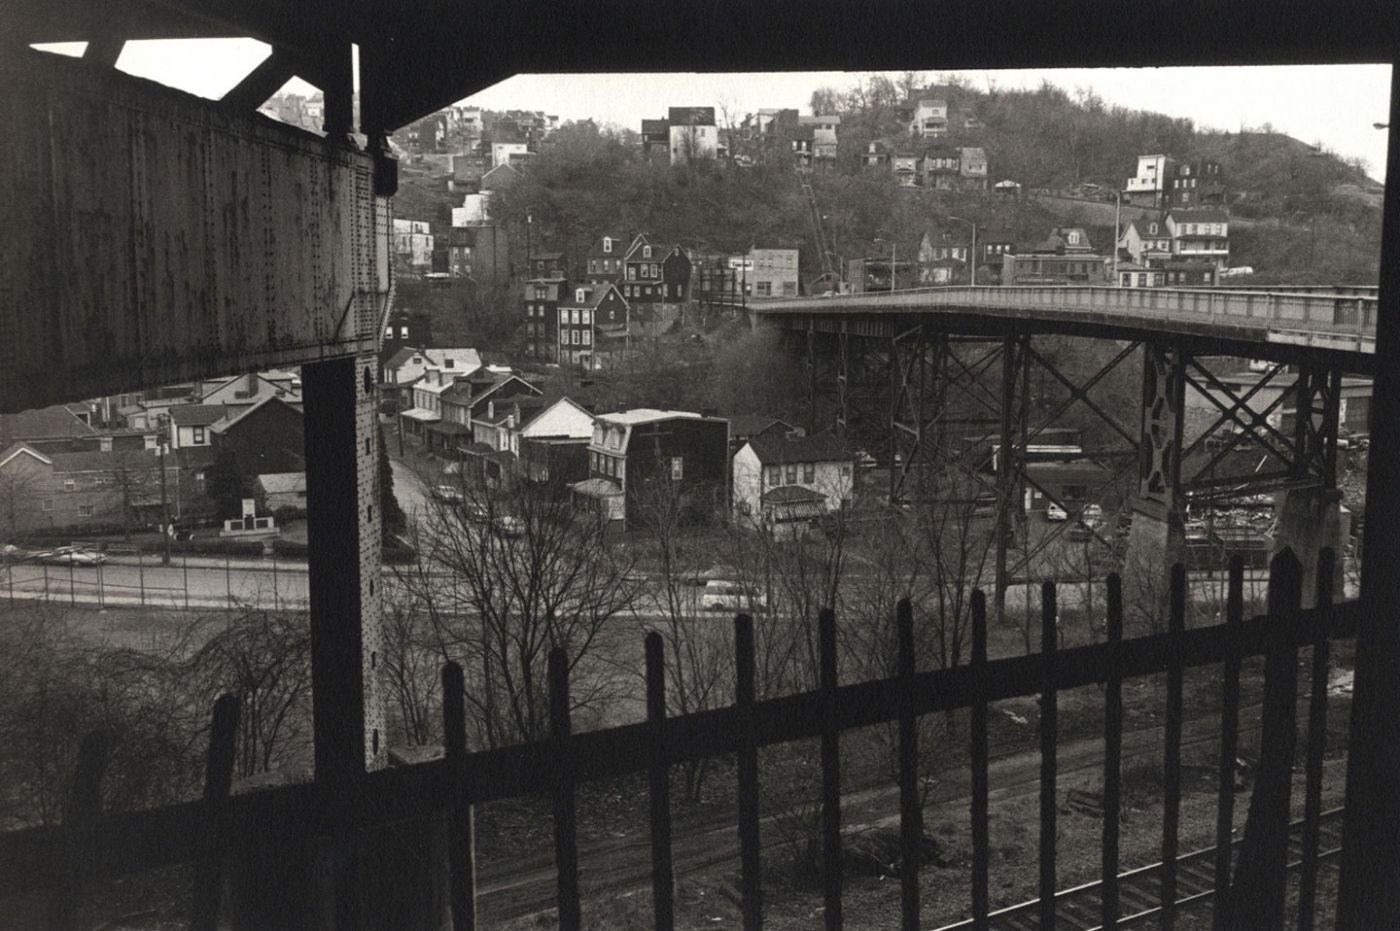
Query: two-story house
x=644, y=459
x=424, y=420
x=1200, y=234
x=940, y=167
x=876, y=155
x=803, y=146
x=824, y=135
x=1147, y=241
x=1065, y=257
x=405, y=367
x=84, y=491
x=772, y=272
x=930, y=118
x=782, y=483
x=605, y=259
x=972, y=168
x=692, y=133
x=266, y=438
x=655, y=273
x=550, y=266
x=1198, y=183
x=904, y=165
x=190, y=423
x=656, y=138
x=589, y=316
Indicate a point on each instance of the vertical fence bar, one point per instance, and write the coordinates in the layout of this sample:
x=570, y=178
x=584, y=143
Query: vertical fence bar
x=461, y=817
x=141, y=570
x=72, y=585
x=1257, y=895
x=1112, y=754
x=1317, y=747
x=750, y=888
x=185, y=560
x=78, y=851
x=565, y=810
x=228, y=581
x=981, y=856
x=911, y=828
x=1049, y=725
x=831, y=773
x=1171, y=763
x=218, y=783
x=659, y=777
x=1229, y=742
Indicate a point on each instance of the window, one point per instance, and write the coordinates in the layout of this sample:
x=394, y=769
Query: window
x=631, y=273
x=574, y=340
x=792, y=474
x=105, y=443
x=588, y=337
x=764, y=288
x=574, y=316
x=771, y=474
x=389, y=332
x=47, y=505
x=607, y=244
x=809, y=472
x=69, y=485
x=84, y=510
x=587, y=317
x=198, y=433
x=646, y=252
x=403, y=332
x=677, y=468
x=578, y=295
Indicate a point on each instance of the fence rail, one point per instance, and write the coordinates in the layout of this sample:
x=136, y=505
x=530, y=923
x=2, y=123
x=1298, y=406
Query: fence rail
x=1339, y=321
x=123, y=843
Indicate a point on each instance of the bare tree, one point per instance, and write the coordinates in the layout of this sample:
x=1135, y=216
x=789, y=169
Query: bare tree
x=512, y=573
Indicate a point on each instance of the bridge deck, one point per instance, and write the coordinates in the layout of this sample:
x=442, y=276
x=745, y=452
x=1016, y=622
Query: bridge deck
x=1341, y=325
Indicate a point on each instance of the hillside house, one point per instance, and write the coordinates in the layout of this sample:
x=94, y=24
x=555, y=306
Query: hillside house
x=586, y=313
x=772, y=273
x=1147, y=241
x=1148, y=187
x=972, y=168
x=646, y=458
x=692, y=134
x=605, y=259
x=542, y=297
x=783, y=484
x=930, y=118
x=940, y=169
x=1200, y=234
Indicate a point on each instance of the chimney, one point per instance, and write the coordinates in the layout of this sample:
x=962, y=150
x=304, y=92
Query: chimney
x=252, y=383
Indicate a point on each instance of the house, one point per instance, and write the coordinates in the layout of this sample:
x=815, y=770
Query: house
x=1007, y=188
x=405, y=329
x=905, y=166
x=876, y=155
x=744, y=427
x=267, y=437
x=930, y=118
x=541, y=300
x=427, y=406
x=509, y=422
x=1190, y=274
x=656, y=138
x=605, y=259
x=1198, y=183
x=1135, y=275
x=1068, y=240
x=83, y=491
x=587, y=311
x=992, y=245
x=941, y=244
x=1200, y=234
x=413, y=247
x=692, y=133
x=479, y=251
x=46, y=429
x=645, y=458
x=406, y=366
x=803, y=146
x=190, y=424
x=782, y=484
x=1147, y=241
x=502, y=152
x=772, y=272
x=1148, y=187
x=824, y=132
x=972, y=168
x=280, y=491
x=655, y=273
x=243, y=391
x=939, y=167
x=548, y=265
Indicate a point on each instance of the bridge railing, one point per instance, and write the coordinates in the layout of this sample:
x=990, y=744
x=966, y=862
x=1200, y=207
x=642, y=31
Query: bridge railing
x=1350, y=317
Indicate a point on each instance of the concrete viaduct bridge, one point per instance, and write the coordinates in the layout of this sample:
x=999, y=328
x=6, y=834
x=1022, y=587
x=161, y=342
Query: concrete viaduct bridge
x=938, y=379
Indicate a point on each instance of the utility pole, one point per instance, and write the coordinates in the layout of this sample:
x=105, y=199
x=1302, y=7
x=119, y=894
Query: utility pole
x=1117, y=217
x=164, y=439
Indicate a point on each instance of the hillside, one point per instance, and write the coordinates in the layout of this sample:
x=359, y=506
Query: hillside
x=1317, y=217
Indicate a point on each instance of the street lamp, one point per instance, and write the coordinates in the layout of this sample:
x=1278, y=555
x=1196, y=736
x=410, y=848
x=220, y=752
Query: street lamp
x=972, y=258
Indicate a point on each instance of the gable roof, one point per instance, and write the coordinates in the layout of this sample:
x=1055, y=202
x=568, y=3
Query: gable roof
x=594, y=294
x=52, y=422
x=18, y=448
x=281, y=483
x=198, y=415
x=229, y=424
x=1142, y=224
x=750, y=424
x=1198, y=216
x=620, y=245
x=824, y=447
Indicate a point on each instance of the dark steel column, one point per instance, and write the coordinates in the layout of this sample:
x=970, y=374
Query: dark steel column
x=1369, y=896
x=1006, y=468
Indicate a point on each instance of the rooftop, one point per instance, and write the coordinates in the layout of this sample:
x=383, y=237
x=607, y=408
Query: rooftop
x=823, y=447
x=198, y=415
x=641, y=415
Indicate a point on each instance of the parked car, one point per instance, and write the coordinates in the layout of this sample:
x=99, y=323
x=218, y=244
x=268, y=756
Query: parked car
x=1053, y=512
x=727, y=595
x=508, y=526
x=447, y=493
x=1092, y=514
x=71, y=556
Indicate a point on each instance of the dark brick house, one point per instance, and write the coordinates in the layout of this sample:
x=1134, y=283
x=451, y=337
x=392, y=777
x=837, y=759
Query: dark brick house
x=267, y=437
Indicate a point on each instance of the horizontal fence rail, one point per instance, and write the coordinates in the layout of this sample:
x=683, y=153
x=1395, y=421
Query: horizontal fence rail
x=120, y=844
x=1340, y=321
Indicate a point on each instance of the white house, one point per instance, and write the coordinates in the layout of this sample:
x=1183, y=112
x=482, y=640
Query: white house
x=190, y=424
x=506, y=422
x=1150, y=182
x=930, y=118
x=781, y=484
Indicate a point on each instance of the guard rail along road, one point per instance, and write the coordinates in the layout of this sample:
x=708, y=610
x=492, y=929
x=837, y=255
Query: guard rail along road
x=1338, y=322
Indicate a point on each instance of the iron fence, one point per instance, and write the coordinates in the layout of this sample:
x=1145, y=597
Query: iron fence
x=90, y=844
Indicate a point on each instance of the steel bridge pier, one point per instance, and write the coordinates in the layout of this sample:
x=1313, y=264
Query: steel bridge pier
x=956, y=417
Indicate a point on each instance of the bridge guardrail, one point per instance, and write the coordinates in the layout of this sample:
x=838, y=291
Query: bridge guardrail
x=1349, y=316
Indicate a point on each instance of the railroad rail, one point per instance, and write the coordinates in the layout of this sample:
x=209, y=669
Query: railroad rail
x=1081, y=907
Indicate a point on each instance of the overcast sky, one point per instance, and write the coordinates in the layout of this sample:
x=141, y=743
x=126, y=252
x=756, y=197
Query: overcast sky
x=1332, y=104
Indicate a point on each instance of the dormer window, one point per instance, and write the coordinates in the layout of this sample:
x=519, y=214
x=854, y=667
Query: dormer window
x=607, y=244
x=578, y=295
x=1074, y=239
x=646, y=252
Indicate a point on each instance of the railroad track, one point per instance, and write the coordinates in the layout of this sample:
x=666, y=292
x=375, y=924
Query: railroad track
x=1079, y=908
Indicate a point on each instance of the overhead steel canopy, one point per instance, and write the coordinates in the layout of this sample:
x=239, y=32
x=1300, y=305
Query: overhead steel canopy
x=419, y=56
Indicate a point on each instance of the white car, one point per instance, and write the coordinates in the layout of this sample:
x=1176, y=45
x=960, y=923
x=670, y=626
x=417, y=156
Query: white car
x=1054, y=512
x=69, y=556
x=724, y=595
x=447, y=493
